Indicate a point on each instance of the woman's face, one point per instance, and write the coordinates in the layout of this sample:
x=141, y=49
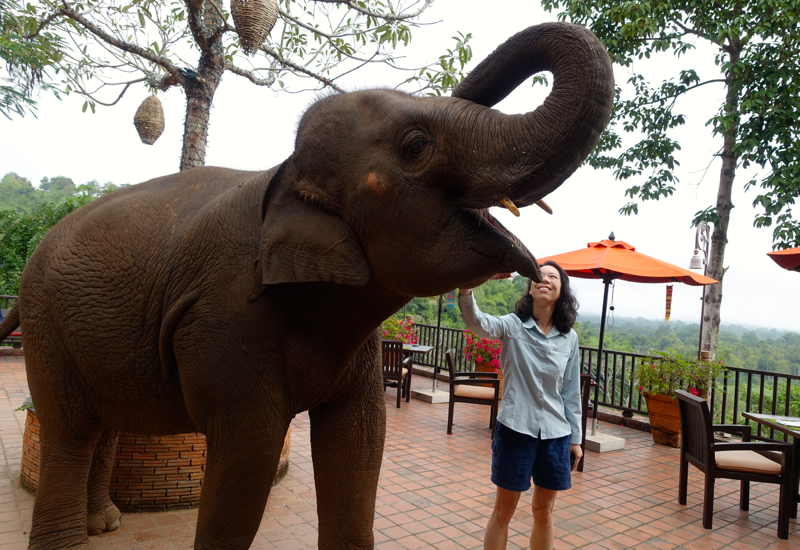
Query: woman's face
x=549, y=290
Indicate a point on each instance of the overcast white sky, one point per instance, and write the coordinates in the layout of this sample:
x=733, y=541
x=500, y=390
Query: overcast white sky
x=253, y=128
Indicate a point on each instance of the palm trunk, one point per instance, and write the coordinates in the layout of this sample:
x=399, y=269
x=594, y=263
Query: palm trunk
x=719, y=239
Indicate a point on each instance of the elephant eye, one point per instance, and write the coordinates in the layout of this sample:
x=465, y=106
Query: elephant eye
x=416, y=143
x=417, y=146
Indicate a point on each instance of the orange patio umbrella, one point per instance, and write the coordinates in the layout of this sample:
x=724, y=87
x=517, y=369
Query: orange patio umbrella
x=609, y=260
x=787, y=259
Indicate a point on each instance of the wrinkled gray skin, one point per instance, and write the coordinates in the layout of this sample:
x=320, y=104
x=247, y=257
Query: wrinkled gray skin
x=170, y=307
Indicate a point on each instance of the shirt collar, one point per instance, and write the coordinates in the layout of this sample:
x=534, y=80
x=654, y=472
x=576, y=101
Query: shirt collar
x=530, y=324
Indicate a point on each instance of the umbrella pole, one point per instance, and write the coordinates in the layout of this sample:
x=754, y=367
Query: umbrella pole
x=436, y=345
x=606, y=283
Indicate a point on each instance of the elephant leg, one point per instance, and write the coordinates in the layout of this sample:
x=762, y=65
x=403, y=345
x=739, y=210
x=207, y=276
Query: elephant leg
x=347, y=438
x=242, y=460
x=103, y=515
x=60, y=508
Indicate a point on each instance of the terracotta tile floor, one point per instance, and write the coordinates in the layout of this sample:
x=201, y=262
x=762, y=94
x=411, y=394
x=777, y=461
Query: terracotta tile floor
x=435, y=493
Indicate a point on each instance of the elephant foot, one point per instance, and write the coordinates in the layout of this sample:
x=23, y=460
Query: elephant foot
x=104, y=521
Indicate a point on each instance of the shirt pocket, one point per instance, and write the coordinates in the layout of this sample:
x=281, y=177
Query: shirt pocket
x=557, y=366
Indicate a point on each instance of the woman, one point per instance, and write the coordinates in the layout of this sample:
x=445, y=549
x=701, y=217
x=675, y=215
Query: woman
x=538, y=426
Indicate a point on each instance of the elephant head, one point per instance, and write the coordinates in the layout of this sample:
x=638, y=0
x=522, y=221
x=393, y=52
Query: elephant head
x=399, y=186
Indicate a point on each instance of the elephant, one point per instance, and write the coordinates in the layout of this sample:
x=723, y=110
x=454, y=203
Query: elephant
x=226, y=302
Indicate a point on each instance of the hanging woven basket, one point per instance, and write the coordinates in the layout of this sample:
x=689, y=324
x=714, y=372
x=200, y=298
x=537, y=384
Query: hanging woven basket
x=149, y=120
x=254, y=19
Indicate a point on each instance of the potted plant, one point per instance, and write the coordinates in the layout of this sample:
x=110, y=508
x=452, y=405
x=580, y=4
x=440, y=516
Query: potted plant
x=485, y=353
x=658, y=380
x=399, y=329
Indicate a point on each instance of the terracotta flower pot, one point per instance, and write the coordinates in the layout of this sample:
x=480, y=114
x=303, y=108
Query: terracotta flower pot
x=484, y=367
x=665, y=419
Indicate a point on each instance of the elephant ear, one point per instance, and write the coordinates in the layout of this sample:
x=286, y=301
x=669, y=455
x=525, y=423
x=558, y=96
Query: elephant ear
x=302, y=242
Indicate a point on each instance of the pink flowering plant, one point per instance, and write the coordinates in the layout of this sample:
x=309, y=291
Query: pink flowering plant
x=482, y=350
x=397, y=329
x=672, y=371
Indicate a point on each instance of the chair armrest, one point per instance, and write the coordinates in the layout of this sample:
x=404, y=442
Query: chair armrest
x=408, y=360
x=741, y=429
x=767, y=439
x=476, y=374
x=495, y=382
x=752, y=446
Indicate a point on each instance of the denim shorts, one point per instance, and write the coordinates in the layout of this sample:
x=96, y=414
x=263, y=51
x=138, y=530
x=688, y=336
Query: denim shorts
x=517, y=457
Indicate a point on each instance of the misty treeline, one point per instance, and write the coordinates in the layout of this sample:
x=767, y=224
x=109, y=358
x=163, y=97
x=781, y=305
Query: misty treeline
x=762, y=349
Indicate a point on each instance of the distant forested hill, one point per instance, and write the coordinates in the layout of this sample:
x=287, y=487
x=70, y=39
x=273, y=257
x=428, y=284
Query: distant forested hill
x=27, y=213
x=746, y=347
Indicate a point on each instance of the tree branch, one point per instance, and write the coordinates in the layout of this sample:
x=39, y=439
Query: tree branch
x=124, y=46
x=689, y=30
x=46, y=21
x=659, y=99
x=122, y=93
x=384, y=16
x=269, y=81
x=286, y=63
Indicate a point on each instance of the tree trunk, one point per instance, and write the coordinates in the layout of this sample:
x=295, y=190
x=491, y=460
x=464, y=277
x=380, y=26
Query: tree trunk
x=200, y=90
x=201, y=86
x=719, y=238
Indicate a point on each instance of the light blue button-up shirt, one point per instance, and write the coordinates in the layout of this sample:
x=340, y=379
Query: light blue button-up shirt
x=541, y=373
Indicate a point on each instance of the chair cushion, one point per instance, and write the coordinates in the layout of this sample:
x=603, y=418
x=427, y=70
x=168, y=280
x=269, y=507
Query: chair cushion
x=746, y=461
x=474, y=392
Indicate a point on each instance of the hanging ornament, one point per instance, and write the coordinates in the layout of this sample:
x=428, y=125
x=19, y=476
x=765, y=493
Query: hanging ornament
x=451, y=300
x=149, y=120
x=669, y=303
x=254, y=19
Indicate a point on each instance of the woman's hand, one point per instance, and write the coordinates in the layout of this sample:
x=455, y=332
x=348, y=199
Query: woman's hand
x=576, y=451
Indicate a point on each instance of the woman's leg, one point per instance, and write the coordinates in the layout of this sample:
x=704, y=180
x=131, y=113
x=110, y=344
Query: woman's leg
x=505, y=503
x=542, y=508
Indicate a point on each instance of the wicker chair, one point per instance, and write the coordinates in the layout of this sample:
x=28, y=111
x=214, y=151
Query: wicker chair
x=396, y=368
x=469, y=387
x=739, y=460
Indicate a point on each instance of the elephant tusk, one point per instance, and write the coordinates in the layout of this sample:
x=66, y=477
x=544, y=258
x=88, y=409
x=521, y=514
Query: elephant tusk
x=506, y=202
x=544, y=206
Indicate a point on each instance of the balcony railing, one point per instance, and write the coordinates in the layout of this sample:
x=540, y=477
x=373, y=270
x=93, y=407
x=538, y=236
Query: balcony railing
x=738, y=390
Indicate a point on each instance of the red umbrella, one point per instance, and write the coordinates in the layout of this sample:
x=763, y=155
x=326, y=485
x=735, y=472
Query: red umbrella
x=609, y=260
x=787, y=259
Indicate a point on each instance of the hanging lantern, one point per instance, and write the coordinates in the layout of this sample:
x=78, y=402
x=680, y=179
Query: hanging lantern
x=254, y=19
x=669, y=303
x=149, y=120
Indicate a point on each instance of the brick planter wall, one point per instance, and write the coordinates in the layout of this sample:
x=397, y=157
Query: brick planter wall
x=151, y=473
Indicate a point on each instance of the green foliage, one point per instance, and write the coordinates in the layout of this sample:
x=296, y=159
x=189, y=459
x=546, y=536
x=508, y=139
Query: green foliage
x=672, y=371
x=757, y=45
x=311, y=45
x=18, y=193
x=21, y=229
x=496, y=297
x=769, y=350
x=25, y=58
x=395, y=328
x=779, y=403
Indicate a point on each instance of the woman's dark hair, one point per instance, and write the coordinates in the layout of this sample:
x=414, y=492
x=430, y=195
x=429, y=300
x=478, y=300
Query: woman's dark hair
x=566, y=310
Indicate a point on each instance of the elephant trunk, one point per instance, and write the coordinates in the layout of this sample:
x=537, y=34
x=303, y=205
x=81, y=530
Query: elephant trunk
x=528, y=156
